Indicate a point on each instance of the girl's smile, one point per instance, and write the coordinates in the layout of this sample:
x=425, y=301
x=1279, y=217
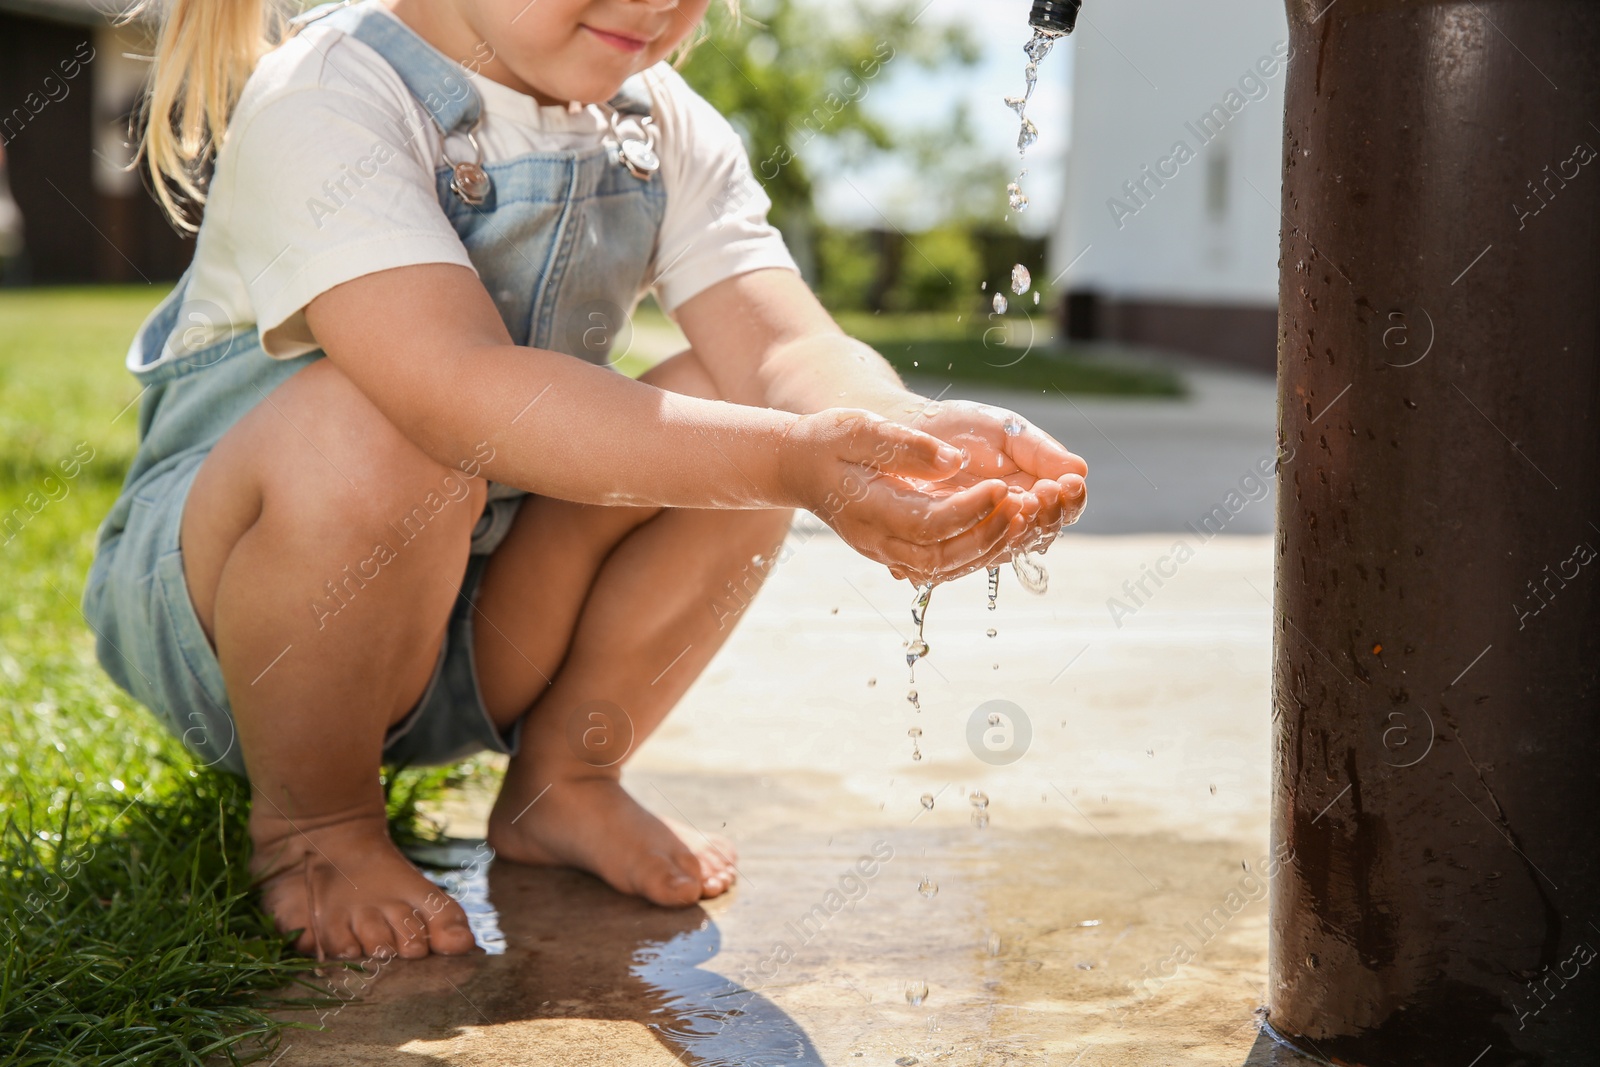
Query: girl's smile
x=620, y=41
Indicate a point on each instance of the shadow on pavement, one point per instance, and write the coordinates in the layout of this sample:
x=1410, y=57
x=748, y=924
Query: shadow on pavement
x=577, y=955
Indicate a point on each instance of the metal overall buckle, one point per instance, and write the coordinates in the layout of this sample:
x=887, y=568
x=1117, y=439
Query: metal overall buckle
x=638, y=154
x=469, y=181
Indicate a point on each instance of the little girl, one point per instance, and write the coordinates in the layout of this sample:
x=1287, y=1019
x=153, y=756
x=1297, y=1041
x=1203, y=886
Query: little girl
x=391, y=505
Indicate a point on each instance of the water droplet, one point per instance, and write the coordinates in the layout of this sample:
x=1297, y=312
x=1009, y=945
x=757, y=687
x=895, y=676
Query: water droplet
x=916, y=992
x=1027, y=136
x=835, y=611
x=994, y=585
x=984, y=286
x=1017, y=103
x=994, y=719
x=916, y=648
x=928, y=888
x=1021, y=279
x=980, y=799
x=1000, y=303
x=1012, y=426
x=994, y=944
x=871, y=682
x=911, y=698
x=1035, y=299
x=1213, y=790
x=1031, y=573
x=914, y=732
x=927, y=801
x=991, y=631
x=1150, y=752
x=1085, y=965
x=916, y=753
x=980, y=819
x=904, y=1061
x=1017, y=198
x=996, y=667
x=1040, y=46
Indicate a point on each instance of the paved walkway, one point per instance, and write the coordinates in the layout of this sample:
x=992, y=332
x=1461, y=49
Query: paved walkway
x=1098, y=901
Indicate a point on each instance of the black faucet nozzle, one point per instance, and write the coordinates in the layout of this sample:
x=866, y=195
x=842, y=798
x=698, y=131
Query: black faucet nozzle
x=1055, y=16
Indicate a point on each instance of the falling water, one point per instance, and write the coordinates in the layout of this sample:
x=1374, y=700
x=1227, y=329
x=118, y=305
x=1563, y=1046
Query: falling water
x=916, y=648
x=994, y=585
x=1027, y=132
x=1027, y=135
x=980, y=809
x=1031, y=573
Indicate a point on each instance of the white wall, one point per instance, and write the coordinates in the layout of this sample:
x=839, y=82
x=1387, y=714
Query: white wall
x=1145, y=73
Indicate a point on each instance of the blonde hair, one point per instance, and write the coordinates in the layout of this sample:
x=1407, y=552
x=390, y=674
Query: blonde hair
x=205, y=52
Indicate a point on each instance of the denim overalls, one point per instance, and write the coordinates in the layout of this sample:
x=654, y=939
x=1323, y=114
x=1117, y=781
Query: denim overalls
x=561, y=243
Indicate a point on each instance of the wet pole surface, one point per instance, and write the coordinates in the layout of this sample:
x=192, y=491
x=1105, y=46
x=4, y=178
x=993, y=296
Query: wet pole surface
x=1438, y=590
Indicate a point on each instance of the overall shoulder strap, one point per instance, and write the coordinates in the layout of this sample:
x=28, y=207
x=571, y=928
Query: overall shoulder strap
x=437, y=83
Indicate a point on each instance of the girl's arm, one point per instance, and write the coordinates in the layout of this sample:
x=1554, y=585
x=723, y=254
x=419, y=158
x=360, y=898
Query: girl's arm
x=766, y=340
x=426, y=344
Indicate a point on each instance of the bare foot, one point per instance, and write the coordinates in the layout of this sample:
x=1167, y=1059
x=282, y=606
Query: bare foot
x=351, y=892
x=593, y=824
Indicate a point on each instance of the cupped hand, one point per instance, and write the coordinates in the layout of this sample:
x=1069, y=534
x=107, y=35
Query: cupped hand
x=899, y=496
x=1046, y=480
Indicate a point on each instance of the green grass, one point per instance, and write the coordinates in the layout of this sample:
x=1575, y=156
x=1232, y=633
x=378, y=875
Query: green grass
x=130, y=936
x=1011, y=352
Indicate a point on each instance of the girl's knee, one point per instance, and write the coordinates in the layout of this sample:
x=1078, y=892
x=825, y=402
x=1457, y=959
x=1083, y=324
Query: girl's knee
x=330, y=459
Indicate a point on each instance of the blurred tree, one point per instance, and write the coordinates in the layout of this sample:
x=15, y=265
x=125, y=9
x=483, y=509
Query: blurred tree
x=957, y=185
x=788, y=73
x=940, y=271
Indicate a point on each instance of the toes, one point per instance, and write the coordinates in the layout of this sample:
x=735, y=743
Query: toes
x=672, y=881
x=373, y=930
x=411, y=933
x=337, y=940
x=448, y=931
x=717, y=873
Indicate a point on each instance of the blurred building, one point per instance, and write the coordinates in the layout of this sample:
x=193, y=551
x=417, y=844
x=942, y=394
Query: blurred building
x=69, y=80
x=1171, y=219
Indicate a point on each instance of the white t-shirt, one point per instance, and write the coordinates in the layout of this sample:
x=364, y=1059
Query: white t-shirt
x=318, y=108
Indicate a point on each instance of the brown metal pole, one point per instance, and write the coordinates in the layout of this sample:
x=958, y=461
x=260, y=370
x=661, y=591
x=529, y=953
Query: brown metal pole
x=1437, y=667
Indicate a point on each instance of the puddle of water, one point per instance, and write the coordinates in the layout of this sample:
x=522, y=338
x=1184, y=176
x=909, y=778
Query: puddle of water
x=714, y=1021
